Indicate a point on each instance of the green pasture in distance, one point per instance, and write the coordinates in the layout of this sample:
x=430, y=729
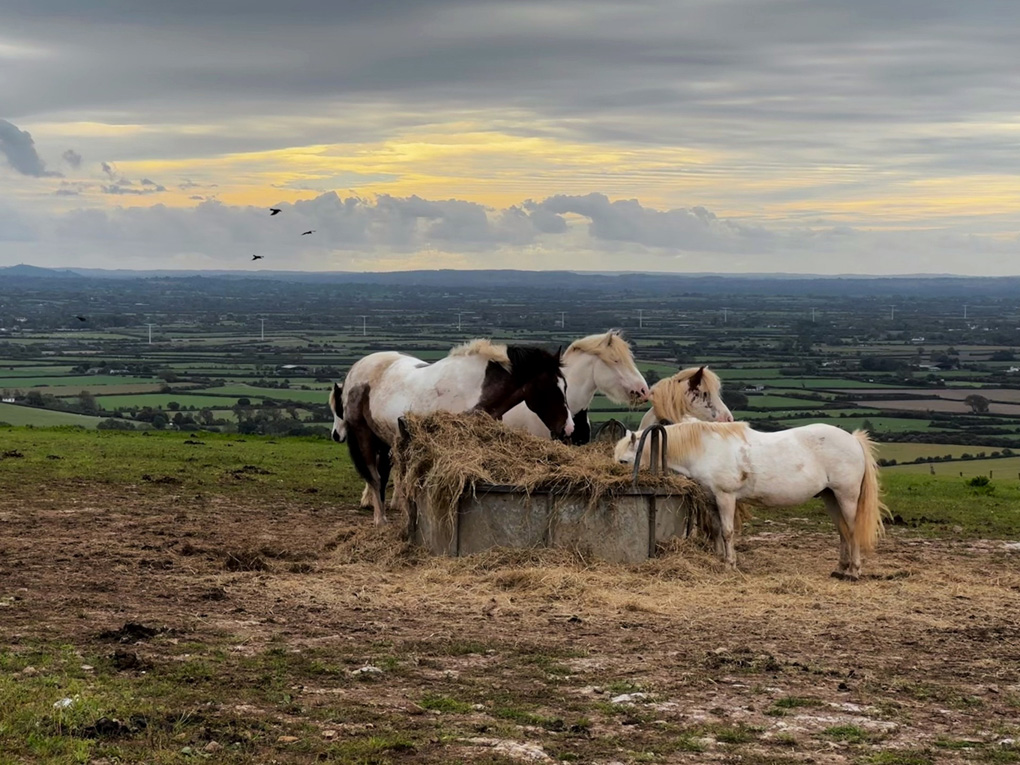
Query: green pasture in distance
x=83, y=380
x=910, y=452
x=42, y=418
x=33, y=369
x=1006, y=469
x=280, y=394
x=767, y=401
x=879, y=424
x=817, y=415
x=742, y=372
x=160, y=400
x=72, y=391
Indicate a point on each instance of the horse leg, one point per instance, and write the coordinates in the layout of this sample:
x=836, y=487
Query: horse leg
x=727, y=504
x=383, y=464
x=366, y=498
x=848, y=506
x=836, y=513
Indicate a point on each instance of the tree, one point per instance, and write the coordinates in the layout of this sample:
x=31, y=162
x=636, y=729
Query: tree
x=159, y=421
x=87, y=403
x=978, y=404
x=734, y=399
x=652, y=377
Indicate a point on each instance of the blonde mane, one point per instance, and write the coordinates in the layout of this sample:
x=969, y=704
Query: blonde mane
x=668, y=400
x=332, y=399
x=484, y=348
x=608, y=346
x=687, y=439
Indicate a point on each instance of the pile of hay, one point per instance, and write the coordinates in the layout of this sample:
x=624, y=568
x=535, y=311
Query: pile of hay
x=442, y=455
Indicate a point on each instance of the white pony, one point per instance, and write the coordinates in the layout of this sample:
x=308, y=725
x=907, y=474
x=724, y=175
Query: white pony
x=691, y=394
x=735, y=463
x=382, y=387
x=600, y=363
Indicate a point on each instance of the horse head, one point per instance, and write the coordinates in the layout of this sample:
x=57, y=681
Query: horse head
x=539, y=375
x=616, y=375
x=336, y=404
x=704, y=396
x=626, y=448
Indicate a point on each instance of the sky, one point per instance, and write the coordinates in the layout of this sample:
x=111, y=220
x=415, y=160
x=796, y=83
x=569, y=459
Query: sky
x=728, y=136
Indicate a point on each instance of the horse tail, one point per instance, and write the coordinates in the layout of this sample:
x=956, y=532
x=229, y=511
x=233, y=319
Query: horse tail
x=868, y=524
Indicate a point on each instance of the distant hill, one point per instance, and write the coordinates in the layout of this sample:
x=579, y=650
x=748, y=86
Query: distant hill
x=35, y=272
x=620, y=282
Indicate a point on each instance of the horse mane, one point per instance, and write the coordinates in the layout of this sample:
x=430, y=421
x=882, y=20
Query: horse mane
x=529, y=361
x=608, y=346
x=332, y=399
x=668, y=399
x=486, y=349
x=687, y=439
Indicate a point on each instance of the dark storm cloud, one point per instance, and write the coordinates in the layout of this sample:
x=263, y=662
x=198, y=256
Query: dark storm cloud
x=18, y=149
x=733, y=73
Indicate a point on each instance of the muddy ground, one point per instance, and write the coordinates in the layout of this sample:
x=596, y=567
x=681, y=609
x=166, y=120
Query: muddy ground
x=295, y=631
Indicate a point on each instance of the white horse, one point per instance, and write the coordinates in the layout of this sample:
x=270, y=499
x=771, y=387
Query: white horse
x=600, y=363
x=782, y=469
x=382, y=387
x=691, y=394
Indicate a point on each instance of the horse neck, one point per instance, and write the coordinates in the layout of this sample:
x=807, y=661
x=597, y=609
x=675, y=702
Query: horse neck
x=579, y=372
x=499, y=393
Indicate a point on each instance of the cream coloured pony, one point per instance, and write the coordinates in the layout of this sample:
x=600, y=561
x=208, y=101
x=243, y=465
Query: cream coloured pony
x=480, y=375
x=690, y=394
x=735, y=463
x=601, y=363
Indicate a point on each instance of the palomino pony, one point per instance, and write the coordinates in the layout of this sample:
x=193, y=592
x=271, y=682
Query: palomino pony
x=382, y=387
x=597, y=363
x=781, y=469
x=690, y=394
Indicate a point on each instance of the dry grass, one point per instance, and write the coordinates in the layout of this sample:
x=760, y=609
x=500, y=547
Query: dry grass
x=443, y=455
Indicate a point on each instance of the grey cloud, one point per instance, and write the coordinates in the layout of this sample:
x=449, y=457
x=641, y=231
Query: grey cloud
x=18, y=148
x=108, y=169
x=72, y=158
x=626, y=220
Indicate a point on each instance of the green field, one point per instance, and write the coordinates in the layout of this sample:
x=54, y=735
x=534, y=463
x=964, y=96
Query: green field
x=24, y=383
x=160, y=400
x=27, y=415
x=878, y=423
x=1004, y=469
x=908, y=452
x=281, y=394
x=782, y=402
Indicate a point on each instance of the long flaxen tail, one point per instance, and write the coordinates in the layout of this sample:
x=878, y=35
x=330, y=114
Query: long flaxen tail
x=870, y=508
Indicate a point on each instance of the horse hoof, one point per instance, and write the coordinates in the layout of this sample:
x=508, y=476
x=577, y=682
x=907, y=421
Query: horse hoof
x=844, y=576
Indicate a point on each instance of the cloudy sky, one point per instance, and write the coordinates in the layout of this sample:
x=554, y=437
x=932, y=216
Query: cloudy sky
x=812, y=136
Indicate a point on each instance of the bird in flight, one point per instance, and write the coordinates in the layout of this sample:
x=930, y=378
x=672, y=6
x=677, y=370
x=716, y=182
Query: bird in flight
x=81, y=318
x=257, y=257
x=273, y=211
x=306, y=233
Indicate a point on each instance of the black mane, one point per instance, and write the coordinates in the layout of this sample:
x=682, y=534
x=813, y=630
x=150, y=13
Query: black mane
x=529, y=361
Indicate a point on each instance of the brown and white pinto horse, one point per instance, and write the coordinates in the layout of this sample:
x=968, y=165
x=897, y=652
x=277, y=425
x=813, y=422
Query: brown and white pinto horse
x=479, y=375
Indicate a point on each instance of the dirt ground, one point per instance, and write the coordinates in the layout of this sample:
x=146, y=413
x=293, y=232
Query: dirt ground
x=528, y=656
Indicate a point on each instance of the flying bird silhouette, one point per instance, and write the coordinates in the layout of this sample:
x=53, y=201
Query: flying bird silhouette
x=273, y=211
x=308, y=232
x=81, y=318
x=257, y=257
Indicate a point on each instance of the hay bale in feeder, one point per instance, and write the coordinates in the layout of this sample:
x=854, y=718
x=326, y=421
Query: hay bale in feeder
x=440, y=459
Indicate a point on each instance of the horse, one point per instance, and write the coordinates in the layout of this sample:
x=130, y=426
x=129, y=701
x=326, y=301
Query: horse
x=600, y=363
x=479, y=375
x=734, y=463
x=690, y=394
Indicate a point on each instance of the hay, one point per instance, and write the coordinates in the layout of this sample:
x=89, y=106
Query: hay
x=441, y=455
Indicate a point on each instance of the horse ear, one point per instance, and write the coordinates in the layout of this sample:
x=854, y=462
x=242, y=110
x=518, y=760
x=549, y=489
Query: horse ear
x=633, y=437
x=559, y=353
x=695, y=382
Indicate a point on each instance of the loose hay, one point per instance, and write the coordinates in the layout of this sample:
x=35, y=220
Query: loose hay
x=440, y=456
